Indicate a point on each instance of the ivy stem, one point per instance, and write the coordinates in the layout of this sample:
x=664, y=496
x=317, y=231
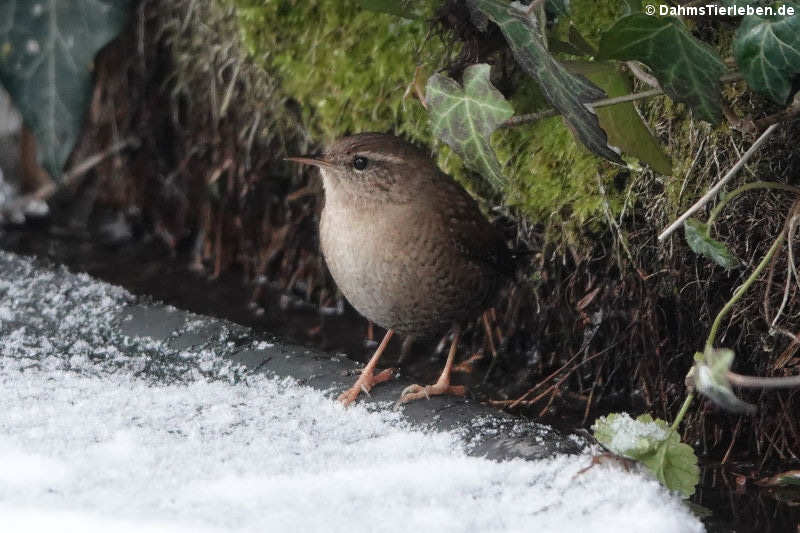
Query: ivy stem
x=744, y=188
x=780, y=116
x=741, y=289
x=757, y=382
x=685, y=407
x=551, y=112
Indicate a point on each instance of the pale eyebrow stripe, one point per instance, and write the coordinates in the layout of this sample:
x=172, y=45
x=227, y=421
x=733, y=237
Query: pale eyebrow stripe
x=379, y=156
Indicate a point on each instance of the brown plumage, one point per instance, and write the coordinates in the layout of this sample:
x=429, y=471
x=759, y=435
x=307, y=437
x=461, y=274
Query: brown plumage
x=405, y=243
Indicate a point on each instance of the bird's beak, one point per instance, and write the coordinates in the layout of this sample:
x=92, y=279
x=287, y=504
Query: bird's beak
x=315, y=160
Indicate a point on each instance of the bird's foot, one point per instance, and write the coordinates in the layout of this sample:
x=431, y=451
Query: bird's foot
x=416, y=392
x=467, y=366
x=364, y=384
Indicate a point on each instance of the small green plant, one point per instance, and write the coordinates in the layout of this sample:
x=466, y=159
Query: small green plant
x=653, y=443
x=711, y=373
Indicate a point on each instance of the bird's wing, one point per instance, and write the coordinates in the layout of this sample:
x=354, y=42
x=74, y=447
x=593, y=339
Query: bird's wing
x=472, y=235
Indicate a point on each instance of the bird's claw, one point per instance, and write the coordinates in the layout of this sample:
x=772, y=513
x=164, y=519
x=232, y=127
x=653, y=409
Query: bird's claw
x=364, y=384
x=417, y=392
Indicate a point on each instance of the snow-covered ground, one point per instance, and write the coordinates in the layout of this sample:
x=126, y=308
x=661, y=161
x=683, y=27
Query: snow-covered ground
x=104, y=432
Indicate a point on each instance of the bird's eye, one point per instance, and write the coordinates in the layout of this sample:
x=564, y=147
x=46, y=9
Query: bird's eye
x=359, y=162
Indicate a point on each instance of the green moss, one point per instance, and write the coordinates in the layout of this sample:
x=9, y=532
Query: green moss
x=347, y=67
x=552, y=178
x=350, y=69
x=593, y=17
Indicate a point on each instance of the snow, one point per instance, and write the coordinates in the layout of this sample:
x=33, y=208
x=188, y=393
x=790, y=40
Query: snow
x=629, y=433
x=104, y=432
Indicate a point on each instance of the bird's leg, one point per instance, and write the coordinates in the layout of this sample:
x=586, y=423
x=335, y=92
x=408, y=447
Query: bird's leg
x=467, y=365
x=442, y=385
x=368, y=378
x=370, y=341
x=408, y=343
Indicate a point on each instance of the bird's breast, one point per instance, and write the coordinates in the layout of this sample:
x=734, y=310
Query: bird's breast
x=395, y=265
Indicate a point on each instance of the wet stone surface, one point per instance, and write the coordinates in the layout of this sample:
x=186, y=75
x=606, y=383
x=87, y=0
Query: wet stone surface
x=124, y=414
x=110, y=328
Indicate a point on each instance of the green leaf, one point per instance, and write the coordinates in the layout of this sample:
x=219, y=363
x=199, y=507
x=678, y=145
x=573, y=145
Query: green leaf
x=687, y=69
x=709, y=375
x=624, y=126
x=557, y=8
x=46, y=54
x=465, y=118
x=562, y=47
x=632, y=6
x=699, y=240
x=566, y=92
x=651, y=442
x=624, y=436
x=577, y=40
x=767, y=50
x=410, y=9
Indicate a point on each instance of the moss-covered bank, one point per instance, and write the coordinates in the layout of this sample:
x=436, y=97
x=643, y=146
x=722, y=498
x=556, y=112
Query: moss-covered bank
x=352, y=70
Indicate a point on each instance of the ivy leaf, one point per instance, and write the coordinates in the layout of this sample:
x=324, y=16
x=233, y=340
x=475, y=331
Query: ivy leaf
x=632, y=6
x=566, y=92
x=577, y=40
x=767, y=50
x=557, y=8
x=46, y=55
x=651, y=442
x=465, y=118
x=622, y=122
x=709, y=376
x=563, y=47
x=699, y=240
x=687, y=69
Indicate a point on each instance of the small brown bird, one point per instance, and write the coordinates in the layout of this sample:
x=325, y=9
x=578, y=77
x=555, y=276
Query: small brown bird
x=407, y=246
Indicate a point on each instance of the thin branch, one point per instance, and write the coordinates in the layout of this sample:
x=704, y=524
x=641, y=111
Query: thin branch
x=781, y=116
x=72, y=177
x=551, y=112
x=715, y=189
x=756, y=382
x=92, y=161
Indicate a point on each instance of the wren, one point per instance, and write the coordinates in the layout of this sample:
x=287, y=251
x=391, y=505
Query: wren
x=408, y=247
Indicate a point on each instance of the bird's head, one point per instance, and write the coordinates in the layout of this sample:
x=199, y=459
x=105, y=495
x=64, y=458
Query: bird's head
x=371, y=165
